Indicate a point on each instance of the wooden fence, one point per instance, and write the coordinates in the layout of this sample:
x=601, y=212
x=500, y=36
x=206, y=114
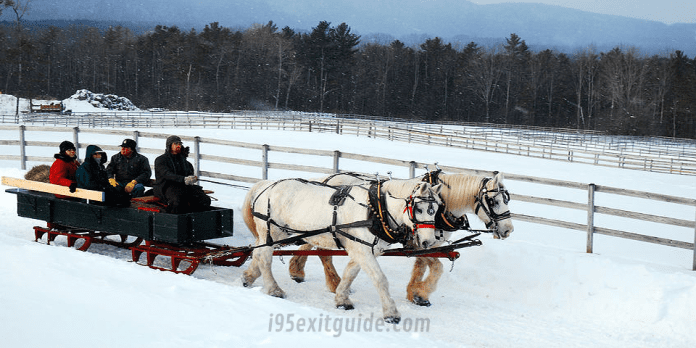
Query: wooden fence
x=199, y=154
x=674, y=156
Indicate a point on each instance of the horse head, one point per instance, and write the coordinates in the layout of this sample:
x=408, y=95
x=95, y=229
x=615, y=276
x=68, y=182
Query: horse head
x=492, y=206
x=420, y=211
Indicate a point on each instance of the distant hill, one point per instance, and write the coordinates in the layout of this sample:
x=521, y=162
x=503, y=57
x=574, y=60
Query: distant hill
x=457, y=21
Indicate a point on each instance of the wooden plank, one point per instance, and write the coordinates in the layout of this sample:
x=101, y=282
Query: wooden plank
x=644, y=238
x=644, y=217
x=548, y=201
x=52, y=188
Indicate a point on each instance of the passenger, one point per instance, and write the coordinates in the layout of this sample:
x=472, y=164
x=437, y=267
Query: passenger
x=63, y=169
x=128, y=170
x=91, y=175
x=175, y=183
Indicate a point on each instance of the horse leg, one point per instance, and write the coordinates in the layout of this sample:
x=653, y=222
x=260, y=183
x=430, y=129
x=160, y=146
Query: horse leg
x=330, y=273
x=265, y=257
x=427, y=287
x=414, y=285
x=368, y=262
x=251, y=274
x=343, y=288
x=297, y=264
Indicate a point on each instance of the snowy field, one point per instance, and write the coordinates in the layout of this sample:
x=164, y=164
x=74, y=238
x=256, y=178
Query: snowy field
x=537, y=288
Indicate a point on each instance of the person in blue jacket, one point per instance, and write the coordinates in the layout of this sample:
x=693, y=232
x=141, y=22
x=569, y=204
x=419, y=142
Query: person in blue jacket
x=91, y=175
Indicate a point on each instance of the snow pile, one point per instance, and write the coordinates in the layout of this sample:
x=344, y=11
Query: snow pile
x=104, y=101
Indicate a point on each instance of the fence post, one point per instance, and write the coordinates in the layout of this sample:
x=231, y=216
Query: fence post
x=136, y=135
x=337, y=155
x=76, y=141
x=196, y=156
x=22, y=148
x=590, y=216
x=412, y=170
x=264, y=160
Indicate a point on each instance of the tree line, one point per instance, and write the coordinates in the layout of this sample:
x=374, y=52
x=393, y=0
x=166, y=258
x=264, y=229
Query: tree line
x=328, y=69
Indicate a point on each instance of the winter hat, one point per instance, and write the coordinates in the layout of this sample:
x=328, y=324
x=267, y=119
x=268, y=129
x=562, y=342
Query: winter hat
x=129, y=143
x=171, y=140
x=65, y=146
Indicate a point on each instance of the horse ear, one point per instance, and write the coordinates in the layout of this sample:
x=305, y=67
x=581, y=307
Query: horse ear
x=498, y=179
x=438, y=188
x=423, y=188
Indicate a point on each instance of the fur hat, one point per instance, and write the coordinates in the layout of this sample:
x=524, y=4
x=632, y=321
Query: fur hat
x=171, y=140
x=66, y=145
x=129, y=143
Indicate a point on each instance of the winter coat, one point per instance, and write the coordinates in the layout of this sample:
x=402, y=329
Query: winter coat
x=63, y=170
x=136, y=167
x=170, y=170
x=91, y=174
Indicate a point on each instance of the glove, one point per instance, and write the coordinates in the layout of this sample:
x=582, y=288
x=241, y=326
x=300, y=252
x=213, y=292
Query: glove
x=131, y=186
x=190, y=180
x=113, y=182
x=73, y=187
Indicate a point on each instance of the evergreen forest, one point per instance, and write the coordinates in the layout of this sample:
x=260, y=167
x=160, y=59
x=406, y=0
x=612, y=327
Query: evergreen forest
x=329, y=69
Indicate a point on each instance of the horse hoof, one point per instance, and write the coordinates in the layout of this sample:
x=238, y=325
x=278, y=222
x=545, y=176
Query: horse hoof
x=392, y=320
x=346, y=307
x=298, y=279
x=278, y=294
x=421, y=301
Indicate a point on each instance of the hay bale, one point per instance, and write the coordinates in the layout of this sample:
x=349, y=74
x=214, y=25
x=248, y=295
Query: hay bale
x=39, y=173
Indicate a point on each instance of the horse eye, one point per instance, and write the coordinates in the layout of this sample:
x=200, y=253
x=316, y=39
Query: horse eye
x=419, y=210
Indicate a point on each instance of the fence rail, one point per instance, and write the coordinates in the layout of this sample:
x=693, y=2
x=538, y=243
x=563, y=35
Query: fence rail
x=664, y=155
x=198, y=155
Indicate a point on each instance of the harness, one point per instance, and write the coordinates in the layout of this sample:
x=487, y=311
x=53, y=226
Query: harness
x=377, y=221
x=381, y=217
x=483, y=196
x=445, y=220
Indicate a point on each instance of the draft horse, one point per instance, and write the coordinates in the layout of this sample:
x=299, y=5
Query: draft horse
x=486, y=197
x=362, y=219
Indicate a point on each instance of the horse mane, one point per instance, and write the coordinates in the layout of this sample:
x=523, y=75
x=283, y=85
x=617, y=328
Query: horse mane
x=460, y=190
x=400, y=188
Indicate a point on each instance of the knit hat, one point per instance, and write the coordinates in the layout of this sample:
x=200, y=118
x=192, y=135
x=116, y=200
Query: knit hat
x=66, y=145
x=171, y=140
x=129, y=143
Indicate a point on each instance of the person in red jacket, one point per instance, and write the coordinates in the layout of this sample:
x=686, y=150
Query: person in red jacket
x=64, y=167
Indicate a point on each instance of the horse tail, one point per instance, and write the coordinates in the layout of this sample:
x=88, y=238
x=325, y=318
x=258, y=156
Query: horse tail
x=247, y=209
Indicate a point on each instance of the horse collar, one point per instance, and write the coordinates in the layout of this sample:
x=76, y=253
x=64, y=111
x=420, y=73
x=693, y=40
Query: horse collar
x=379, y=215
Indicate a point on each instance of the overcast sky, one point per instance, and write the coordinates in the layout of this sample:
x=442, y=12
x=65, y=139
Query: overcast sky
x=666, y=11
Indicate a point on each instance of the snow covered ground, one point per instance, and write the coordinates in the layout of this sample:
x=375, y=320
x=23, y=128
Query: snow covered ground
x=535, y=289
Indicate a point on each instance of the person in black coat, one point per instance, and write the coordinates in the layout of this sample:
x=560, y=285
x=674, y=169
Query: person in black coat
x=175, y=182
x=128, y=170
x=91, y=175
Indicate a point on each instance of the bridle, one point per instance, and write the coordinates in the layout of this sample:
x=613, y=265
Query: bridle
x=402, y=233
x=484, y=195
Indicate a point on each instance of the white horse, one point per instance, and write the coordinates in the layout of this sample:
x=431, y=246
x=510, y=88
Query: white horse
x=279, y=211
x=461, y=194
